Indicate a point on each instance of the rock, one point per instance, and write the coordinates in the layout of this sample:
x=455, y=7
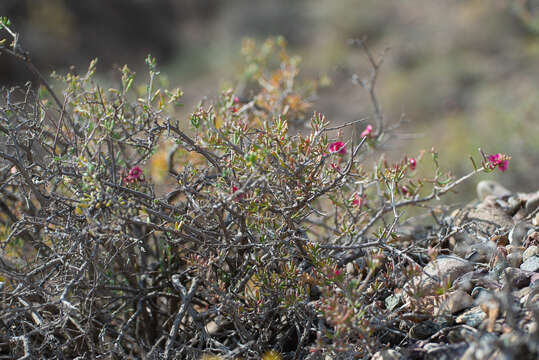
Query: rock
x=535, y=220
x=514, y=203
x=532, y=238
x=522, y=294
x=476, y=278
x=518, y=233
x=517, y=278
x=530, y=327
x=212, y=328
x=513, y=248
x=478, y=223
x=479, y=291
x=481, y=221
x=457, y=300
x=392, y=301
x=531, y=264
x=481, y=349
x=437, y=273
x=437, y=351
x=473, y=317
x=459, y=334
x=448, y=267
x=534, y=280
x=532, y=203
x=491, y=188
x=423, y=330
x=499, y=262
x=387, y=355
x=532, y=299
x=529, y=252
x=351, y=269
x=479, y=252
x=514, y=259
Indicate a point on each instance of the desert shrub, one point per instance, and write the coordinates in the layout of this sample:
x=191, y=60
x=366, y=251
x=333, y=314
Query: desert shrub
x=271, y=240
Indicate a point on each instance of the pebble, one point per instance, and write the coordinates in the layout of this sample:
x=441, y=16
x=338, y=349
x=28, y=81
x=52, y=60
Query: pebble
x=517, y=278
x=534, y=281
x=448, y=267
x=481, y=348
x=480, y=252
x=529, y=252
x=457, y=300
x=532, y=299
x=512, y=248
x=532, y=238
x=475, y=278
x=488, y=187
x=532, y=203
x=531, y=327
x=531, y=264
x=518, y=233
x=473, y=317
x=515, y=259
x=351, y=269
x=445, y=269
x=392, y=301
x=423, y=330
x=387, y=355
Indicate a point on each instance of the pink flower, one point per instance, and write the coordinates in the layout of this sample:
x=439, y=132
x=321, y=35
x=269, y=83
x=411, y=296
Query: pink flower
x=238, y=197
x=236, y=100
x=337, y=147
x=412, y=163
x=367, y=131
x=338, y=272
x=499, y=161
x=135, y=174
x=358, y=200
x=404, y=190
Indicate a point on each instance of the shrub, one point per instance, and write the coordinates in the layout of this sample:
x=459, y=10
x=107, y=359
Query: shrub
x=272, y=241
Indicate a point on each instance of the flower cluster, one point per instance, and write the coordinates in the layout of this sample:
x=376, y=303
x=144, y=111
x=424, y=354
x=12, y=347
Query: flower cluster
x=135, y=174
x=337, y=147
x=358, y=200
x=367, y=132
x=498, y=160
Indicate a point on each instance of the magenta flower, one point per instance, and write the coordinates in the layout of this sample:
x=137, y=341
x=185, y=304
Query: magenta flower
x=337, y=147
x=237, y=197
x=335, y=167
x=412, y=163
x=367, y=132
x=404, y=190
x=499, y=161
x=358, y=201
x=135, y=174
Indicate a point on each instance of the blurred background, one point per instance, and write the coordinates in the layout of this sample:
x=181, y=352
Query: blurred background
x=465, y=74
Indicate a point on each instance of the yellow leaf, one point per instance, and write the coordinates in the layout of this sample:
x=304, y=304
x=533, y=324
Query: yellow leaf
x=271, y=355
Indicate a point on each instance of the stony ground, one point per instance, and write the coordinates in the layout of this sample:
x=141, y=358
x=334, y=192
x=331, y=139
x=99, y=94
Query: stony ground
x=489, y=264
